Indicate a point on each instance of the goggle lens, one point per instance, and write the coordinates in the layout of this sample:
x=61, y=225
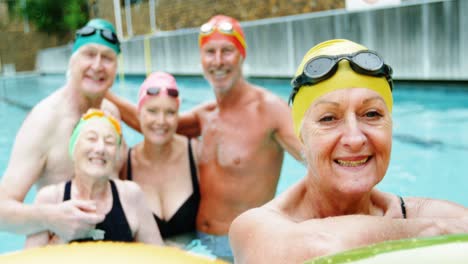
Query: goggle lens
x=319, y=67
x=153, y=91
x=86, y=31
x=206, y=28
x=108, y=35
x=368, y=61
x=224, y=27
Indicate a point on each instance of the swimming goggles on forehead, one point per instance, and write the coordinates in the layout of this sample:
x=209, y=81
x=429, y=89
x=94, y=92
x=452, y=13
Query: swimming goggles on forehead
x=99, y=113
x=323, y=67
x=106, y=34
x=153, y=91
x=224, y=27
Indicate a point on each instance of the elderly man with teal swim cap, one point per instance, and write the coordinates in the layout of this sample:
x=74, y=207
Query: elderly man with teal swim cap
x=40, y=152
x=342, y=112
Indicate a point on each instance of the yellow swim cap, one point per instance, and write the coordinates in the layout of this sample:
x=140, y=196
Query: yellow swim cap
x=345, y=77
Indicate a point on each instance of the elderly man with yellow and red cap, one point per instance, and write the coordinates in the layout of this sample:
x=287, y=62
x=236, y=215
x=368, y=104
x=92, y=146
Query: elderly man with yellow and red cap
x=39, y=155
x=243, y=134
x=342, y=111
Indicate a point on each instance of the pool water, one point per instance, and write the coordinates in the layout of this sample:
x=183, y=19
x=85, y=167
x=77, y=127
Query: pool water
x=430, y=145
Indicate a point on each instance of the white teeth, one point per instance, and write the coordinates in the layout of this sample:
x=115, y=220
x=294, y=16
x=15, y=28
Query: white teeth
x=219, y=74
x=160, y=131
x=97, y=161
x=95, y=78
x=352, y=163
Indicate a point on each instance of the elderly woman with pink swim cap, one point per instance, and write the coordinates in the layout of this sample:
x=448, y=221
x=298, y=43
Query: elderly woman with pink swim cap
x=342, y=111
x=163, y=164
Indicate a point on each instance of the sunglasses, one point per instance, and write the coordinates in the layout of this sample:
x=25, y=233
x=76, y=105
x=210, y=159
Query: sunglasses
x=106, y=34
x=224, y=27
x=99, y=113
x=323, y=67
x=153, y=91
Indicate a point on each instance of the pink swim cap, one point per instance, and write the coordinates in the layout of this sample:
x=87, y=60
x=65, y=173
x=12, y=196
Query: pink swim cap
x=158, y=83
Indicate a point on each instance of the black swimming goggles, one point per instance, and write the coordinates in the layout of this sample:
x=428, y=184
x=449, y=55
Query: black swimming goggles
x=106, y=34
x=323, y=67
x=153, y=91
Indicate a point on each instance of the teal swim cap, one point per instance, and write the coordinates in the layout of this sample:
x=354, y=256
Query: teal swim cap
x=97, y=31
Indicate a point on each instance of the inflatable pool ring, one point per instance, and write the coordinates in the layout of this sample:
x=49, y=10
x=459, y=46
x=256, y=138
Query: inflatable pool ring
x=103, y=253
x=451, y=249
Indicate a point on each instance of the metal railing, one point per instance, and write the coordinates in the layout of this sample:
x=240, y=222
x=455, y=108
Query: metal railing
x=421, y=40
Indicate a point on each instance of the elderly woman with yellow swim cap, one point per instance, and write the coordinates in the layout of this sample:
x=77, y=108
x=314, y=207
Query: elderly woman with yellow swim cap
x=93, y=148
x=342, y=111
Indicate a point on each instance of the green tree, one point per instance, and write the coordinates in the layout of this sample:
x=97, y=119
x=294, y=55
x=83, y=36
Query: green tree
x=52, y=16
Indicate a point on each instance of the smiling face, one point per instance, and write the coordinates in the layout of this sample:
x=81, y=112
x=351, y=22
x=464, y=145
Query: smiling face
x=222, y=64
x=96, y=148
x=158, y=119
x=347, y=137
x=92, y=69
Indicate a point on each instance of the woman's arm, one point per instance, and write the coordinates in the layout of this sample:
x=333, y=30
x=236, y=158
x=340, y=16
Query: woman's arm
x=433, y=208
x=147, y=230
x=263, y=236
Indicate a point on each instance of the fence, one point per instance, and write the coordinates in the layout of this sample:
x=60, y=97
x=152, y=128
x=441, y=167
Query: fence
x=421, y=40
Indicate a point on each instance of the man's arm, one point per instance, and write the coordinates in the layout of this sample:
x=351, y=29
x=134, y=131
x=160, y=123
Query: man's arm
x=111, y=109
x=128, y=111
x=190, y=123
x=258, y=236
x=27, y=160
x=284, y=131
x=44, y=196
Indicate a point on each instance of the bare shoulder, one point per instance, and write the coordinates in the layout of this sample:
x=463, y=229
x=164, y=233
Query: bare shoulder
x=127, y=186
x=271, y=103
x=269, y=97
x=199, y=111
x=108, y=107
x=205, y=107
x=50, y=194
x=129, y=190
x=247, y=227
x=257, y=219
x=44, y=113
x=254, y=234
x=417, y=207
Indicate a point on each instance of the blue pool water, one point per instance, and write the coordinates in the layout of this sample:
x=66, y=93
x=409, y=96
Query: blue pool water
x=430, y=143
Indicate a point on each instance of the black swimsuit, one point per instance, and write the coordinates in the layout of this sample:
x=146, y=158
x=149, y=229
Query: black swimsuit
x=115, y=224
x=184, y=220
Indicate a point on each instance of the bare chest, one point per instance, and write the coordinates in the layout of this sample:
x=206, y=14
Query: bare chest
x=235, y=140
x=58, y=166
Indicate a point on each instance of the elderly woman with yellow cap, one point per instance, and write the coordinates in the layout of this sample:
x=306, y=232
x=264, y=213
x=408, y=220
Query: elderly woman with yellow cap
x=94, y=148
x=342, y=111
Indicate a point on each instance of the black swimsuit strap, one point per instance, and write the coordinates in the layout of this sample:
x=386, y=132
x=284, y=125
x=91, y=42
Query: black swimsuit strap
x=67, y=191
x=129, y=165
x=115, y=198
x=403, y=207
x=193, y=168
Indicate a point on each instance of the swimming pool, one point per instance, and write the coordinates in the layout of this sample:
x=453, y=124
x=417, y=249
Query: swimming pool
x=430, y=133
